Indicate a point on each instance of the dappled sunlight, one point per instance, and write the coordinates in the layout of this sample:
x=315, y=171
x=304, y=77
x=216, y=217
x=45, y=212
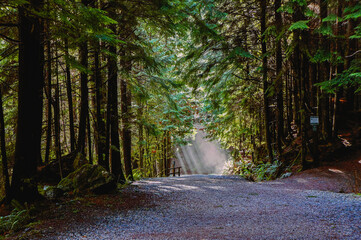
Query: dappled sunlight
x=216, y=188
x=275, y=183
x=177, y=187
x=154, y=182
x=336, y=171
x=345, y=142
x=186, y=187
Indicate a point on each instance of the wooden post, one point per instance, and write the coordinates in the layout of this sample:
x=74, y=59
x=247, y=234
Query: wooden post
x=173, y=168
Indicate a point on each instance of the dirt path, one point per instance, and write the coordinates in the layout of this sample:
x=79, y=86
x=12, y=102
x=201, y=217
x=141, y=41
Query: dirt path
x=215, y=207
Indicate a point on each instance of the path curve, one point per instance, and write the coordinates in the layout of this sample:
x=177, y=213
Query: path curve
x=225, y=207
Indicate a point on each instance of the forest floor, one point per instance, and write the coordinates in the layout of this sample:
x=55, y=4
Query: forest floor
x=308, y=205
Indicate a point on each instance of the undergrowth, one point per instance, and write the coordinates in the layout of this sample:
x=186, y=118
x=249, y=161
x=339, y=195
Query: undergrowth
x=259, y=172
x=255, y=171
x=18, y=218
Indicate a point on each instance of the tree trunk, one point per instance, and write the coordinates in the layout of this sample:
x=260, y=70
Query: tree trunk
x=116, y=165
x=127, y=137
x=141, y=138
x=89, y=141
x=84, y=104
x=100, y=123
x=30, y=104
x=265, y=81
x=351, y=48
x=304, y=102
x=279, y=79
x=84, y=100
x=49, y=97
x=57, y=121
x=4, y=158
x=70, y=99
x=324, y=76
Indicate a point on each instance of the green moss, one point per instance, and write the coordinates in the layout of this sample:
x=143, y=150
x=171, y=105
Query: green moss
x=66, y=184
x=79, y=161
x=88, y=177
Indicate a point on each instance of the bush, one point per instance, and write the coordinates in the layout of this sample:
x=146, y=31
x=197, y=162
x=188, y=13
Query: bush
x=260, y=171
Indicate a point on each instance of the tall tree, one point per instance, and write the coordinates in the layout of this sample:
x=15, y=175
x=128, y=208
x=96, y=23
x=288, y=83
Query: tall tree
x=116, y=165
x=48, y=92
x=70, y=97
x=325, y=74
x=279, y=74
x=267, y=121
x=127, y=137
x=4, y=158
x=30, y=102
x=99, y=104
x=84, y=98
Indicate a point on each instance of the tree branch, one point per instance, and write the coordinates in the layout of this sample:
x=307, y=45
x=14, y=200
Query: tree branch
x=8, y=24
x=247, y=79
x=353, y=54
x=9, y=39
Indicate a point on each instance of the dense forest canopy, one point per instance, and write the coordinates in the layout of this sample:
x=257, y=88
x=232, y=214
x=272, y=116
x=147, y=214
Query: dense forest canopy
x=119, y=83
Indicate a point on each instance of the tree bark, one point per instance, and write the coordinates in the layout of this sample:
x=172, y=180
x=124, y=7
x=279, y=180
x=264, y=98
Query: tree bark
x=49, y=97
x=84, y=99
x=324, y=76
x=279, y=79
x=30, y=104
x=141, y=138
x=265, y=81
x=84, y=104
x=127, y=137
x=70, y=99
x=57, y=121
x=116, y=165
x=304, y=102
x=100, y=123
x=89, y=140
x=350, y=50
x=4, y=158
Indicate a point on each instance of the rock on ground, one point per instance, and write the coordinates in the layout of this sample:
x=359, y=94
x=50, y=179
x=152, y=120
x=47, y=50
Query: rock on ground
x=88, y=178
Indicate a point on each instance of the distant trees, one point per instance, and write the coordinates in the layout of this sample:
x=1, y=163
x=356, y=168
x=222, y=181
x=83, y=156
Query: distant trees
x=271, y=65
x=92, y=52
x=255, y=71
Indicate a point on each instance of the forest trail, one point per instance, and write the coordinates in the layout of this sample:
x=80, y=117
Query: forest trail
x=214, y=207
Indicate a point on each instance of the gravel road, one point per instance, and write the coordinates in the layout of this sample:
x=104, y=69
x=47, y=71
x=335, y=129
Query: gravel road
x=226, y=207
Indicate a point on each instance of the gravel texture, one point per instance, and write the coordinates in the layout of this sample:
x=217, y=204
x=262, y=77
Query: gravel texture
x=225, y=207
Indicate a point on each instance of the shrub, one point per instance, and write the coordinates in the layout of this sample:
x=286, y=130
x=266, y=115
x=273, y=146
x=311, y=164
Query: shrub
x=260, y=171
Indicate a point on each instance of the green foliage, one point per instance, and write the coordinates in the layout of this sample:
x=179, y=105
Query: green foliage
x=352, y=12
x=260, y=171
x=321, y=56
x=357, y=33
x=330, y=18
x=19, y=217
x=188, y=58
x=325, y=30
x=137, y=174
x=348, y=78
x=300, y=25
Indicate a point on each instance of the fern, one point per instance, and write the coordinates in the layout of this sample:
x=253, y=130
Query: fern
x=330, y=18
x=300, y=25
